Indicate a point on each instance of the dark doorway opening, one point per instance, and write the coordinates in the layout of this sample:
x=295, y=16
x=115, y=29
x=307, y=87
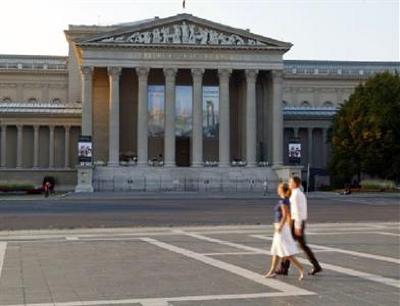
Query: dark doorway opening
x=182, y=152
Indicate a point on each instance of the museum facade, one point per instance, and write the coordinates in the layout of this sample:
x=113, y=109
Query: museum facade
x=178, y=103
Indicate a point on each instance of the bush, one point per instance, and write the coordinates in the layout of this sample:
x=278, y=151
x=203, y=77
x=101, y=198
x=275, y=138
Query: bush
x=16, y=186
x=378, y=185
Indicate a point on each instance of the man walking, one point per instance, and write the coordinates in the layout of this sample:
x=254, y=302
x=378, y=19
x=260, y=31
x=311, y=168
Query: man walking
x=298, y=210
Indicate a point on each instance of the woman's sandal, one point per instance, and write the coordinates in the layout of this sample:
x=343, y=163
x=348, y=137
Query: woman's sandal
x=270, y=275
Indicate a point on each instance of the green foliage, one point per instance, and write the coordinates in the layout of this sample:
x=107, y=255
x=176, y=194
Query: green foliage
x=378, y=185
x=16, y=186
x=365, y=134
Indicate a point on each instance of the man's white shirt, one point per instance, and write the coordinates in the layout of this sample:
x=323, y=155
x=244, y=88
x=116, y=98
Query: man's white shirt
x=298, y=207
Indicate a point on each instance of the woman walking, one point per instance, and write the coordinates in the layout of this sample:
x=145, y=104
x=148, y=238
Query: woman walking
x=283, y=244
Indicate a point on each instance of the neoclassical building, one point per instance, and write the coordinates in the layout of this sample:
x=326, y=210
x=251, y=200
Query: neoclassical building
x=178, y=103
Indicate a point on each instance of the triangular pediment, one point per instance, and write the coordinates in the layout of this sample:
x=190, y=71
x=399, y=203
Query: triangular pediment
x=182, y=29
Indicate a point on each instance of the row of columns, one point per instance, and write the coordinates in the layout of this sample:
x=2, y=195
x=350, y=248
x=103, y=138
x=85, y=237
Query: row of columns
x=197, y=134
x=310, y=142
x=20, y=141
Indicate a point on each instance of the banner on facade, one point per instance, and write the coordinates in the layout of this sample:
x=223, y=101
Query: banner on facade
x=85, y=150
x=294, y=152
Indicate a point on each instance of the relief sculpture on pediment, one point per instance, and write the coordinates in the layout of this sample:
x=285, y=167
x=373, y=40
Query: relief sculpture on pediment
x=183, y=34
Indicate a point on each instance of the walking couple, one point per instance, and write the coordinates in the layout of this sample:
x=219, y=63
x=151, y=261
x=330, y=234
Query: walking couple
x=290, y=215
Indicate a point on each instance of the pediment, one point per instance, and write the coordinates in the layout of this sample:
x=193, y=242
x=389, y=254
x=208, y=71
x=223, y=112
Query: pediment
x=183, y=29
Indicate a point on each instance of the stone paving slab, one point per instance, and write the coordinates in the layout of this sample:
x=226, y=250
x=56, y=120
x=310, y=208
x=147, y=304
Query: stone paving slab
x=208, y=266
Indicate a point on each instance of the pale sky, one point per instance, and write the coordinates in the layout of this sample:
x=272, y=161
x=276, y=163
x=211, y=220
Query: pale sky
x=319, y=29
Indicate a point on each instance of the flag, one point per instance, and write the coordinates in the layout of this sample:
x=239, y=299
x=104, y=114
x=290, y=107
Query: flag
x=183, y=4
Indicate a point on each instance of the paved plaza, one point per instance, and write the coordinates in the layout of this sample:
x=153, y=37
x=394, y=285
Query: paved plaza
x=210, y=266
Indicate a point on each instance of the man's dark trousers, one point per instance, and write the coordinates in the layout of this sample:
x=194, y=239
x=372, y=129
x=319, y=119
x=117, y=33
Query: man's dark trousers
x=285, y=264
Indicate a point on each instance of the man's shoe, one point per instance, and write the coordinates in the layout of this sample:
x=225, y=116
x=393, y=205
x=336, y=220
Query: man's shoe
x=315, y=271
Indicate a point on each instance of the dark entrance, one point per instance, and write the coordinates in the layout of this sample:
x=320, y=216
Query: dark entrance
x=182, y=152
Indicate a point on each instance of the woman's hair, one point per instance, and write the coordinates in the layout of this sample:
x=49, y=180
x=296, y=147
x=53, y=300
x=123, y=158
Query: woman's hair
x=283, y=188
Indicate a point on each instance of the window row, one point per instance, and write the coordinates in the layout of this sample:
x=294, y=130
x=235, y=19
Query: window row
x=31, y=100
x=308, y=104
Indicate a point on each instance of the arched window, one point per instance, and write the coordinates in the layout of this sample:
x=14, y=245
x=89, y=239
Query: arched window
x=305, y=104
x=7, y=99
x=327, y=104
x=56, y=100
x=32, y=100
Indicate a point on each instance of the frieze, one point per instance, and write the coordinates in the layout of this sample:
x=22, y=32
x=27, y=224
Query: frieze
x=183, y=34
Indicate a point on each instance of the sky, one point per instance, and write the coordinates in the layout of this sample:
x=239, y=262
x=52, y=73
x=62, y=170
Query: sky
x=319, y=29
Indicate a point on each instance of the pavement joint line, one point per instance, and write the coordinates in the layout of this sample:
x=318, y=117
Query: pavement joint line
x=159, y=301
x=343, y=251
x=71, y=238
x=388, y=234
x=3, y=247
x=222, y=265
x=339, y=269
x=140, y=231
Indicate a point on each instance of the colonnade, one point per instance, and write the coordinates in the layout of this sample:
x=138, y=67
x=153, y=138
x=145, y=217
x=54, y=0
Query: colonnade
x=224, y=75
x=36, y=143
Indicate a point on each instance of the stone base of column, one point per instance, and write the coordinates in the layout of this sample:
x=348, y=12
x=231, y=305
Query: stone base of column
x=113, y=164
x=169, y=165
x=85, y=179
x=197, y=165
x=285, y=172
x=142, y=164
x=225, y=165
x=251, y=165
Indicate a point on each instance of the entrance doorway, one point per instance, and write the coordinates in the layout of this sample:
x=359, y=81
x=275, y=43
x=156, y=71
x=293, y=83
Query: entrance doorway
x=182, y=151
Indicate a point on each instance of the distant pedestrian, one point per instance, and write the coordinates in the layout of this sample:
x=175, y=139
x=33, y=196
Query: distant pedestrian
x=283, y=244
x=298, y=209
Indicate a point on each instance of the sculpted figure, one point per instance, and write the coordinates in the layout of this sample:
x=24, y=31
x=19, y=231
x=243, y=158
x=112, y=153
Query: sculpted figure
x=237, y=40
x=156, y=36
x=192, y=38
x=185, y=33
x=176, y=37
x=166, y=35
x=133, y=37
x=213, y=37
x=202, y=36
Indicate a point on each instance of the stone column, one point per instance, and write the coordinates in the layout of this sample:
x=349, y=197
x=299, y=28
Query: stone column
x=3, y=146
x=66, y=145
x=277, y=118
x=310, y=145
x=87, y=76
x=324, y=147
x=251, y=118
x=296, y=132
x=142, y=130
x=36, y=146
x=20, y=139
x=224, y=118
x=113, y=138
x=197, y=128
x=51, y=146
x=169, y=140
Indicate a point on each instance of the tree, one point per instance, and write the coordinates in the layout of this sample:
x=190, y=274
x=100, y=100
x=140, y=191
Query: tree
x=365, y=134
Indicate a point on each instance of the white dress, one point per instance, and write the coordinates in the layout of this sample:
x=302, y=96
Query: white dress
x=283, y=243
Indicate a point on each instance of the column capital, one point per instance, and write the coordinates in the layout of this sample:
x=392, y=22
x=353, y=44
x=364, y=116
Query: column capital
x=170, y=73
x=251, y=74
x=67, y=127
x=86, y=71
x=277, y=74
x=142, y=72
x=224, y=73
x=51, y=127
x=19, y=126
x=197, y=72
x=114, y=71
